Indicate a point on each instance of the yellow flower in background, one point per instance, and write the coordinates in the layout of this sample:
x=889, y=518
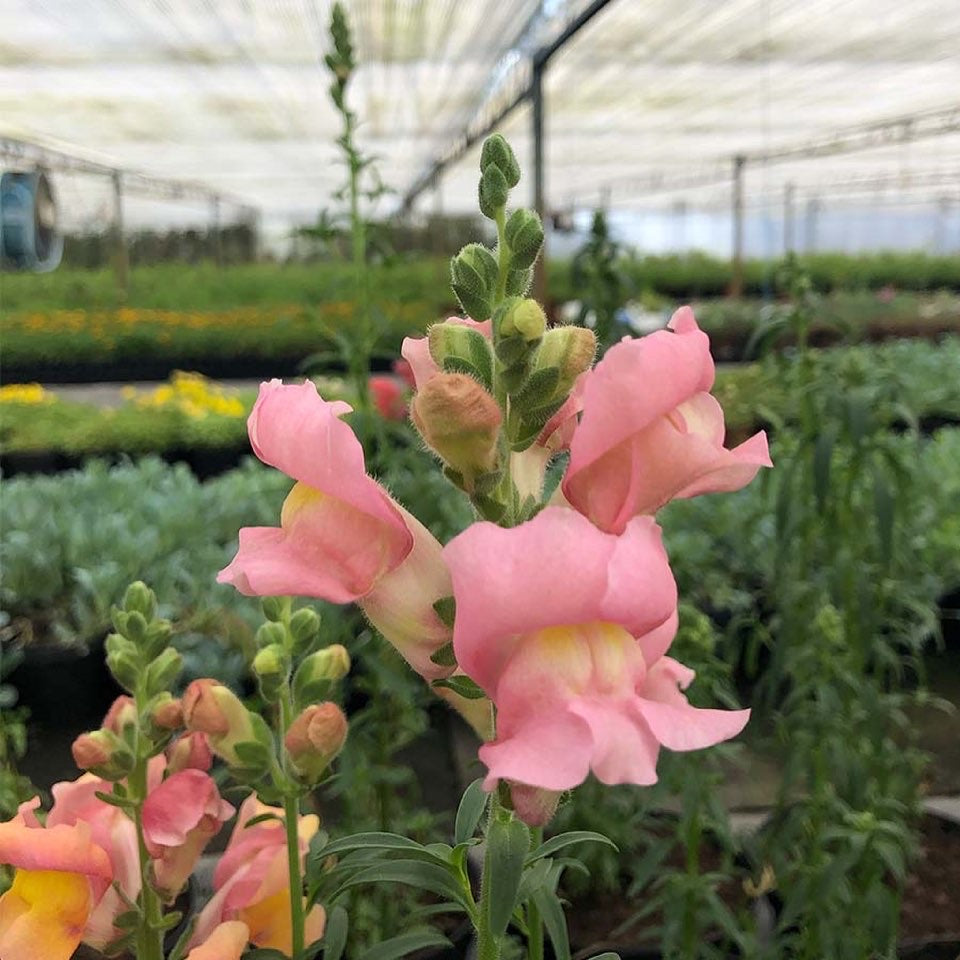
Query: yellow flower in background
x=25, y=393
x=192, y=394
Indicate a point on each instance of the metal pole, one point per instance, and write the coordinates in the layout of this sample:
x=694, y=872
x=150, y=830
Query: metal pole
x=789, y=195
x=540, y=269
x=941, y=237
x=813, y=211
x=680, y=223
x=736, y=283
x=121, y=261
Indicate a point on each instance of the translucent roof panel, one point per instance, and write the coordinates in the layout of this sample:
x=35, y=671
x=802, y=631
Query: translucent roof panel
x=233, y=93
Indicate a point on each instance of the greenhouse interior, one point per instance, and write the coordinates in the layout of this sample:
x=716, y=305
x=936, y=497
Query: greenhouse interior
x=479, y=480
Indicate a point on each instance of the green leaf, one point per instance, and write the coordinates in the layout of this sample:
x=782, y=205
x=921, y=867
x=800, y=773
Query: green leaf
x=446, y=609
x=553, y=919
x=180, y=947
x=405, y=943
x=463, y=686
x=508, y=842
x=444, y=657
x=822, y=456
x=335, y=934
x=557, y=843
x=413, y=873
x=114, y=801
x=389, y=842
x=472, y=804
x=884, y=507
x=262, y=818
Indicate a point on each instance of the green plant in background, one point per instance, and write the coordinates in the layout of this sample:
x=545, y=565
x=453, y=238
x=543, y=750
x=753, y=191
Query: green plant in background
x=14, y=787
x=599, y=282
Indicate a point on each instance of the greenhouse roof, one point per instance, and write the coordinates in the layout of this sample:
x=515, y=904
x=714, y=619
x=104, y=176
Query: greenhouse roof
x=647, y=104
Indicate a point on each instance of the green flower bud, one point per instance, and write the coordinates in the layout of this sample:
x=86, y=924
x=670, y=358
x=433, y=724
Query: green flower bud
x=270, y=633
x=493, y=191
x=524, y=318
x=155, y=639
x=305, y=627
x=459, y=349
x=275, y=608
x=162, y=672
x=524, y=235
x=141, y=599
x=136, y=627
x=271, y=667
x=123, y=661
x=497, y=152
x=473, y=276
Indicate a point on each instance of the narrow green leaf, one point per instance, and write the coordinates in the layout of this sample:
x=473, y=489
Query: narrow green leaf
x=553, y=919
x=180, y=947
x=471, y=808
x=822, y=457
x=406, y=943
x=370, y=841
x=554, y=844
x=262, y=818
x=335, y=934
x=507, y=845
x=413, y=873
x=114, y=801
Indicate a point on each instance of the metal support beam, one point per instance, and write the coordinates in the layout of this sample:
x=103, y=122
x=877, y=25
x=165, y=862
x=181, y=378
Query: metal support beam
x=813, y=214
x=482, y=124
x=121, y=260
x=217, y=234
x=736, y=283
x=539, y=270
x=789, y=199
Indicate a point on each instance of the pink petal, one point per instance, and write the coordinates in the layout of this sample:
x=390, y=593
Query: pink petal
x=226, y=942
x=673, y=721
x=637, y=381
x=623, y=750
x=178, y=805
x=557, y=569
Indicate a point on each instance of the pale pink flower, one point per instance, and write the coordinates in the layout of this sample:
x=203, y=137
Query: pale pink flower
x=227, y=942
x=650, y=430
x=340, y=537
x=564, y=627
x=251, y=881
x=180, y=817
x=389, y=396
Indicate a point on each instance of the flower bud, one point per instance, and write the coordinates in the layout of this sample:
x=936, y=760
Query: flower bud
x=318, y=671
x=525, y=318
x=497, y=152
x=315, y=738
x=533, y=805
x=493, y=191
x=167, y=712
x=141, y=599
x=161, y=672
x=103, y=753
x=460, y=421
x=122, y=713
x=271, y=667
x=304, y=627
x=570, y=349
x=456, y=348
x=192, y=750
x=275, y=608
x=524, y=235
x=123, y=660
x=473, y=276
x=270, y=633
x=135, y=627
x=211, y=708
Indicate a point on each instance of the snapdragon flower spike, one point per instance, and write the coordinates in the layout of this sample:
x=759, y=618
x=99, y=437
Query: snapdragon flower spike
x=61, y=878
x=651, y=432
x=565, y=628
x=341, y=537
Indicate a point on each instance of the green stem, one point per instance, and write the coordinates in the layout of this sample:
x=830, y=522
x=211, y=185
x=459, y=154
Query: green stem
x=503, y=252
x=534, y=920
x=291, y=820
x=488, y=945
x=149, y=934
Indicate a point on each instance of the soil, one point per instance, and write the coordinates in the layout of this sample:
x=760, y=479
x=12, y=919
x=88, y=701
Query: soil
x=931, y=902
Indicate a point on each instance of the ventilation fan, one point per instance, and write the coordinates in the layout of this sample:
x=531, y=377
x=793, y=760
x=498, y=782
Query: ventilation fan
x=29, y=239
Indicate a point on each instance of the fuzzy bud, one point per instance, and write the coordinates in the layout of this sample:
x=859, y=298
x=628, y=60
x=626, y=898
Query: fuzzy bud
x=122, y=713
x=271, y=667
x=473, y=276
x=275, y=608
x=269, y=634
x=123, y=661
x=460, y=421
x=493, y=191
x=191, y=751
x=456, y=348
x=524, y=235
x=162, y=672
x=526, y=319
x=570, y=349
x=102, y=752
x=211, y=708
x=167, y=712
x=497, y=152
x=315, y=738
x=139, y=598
x=305, y=627
x=315, y=674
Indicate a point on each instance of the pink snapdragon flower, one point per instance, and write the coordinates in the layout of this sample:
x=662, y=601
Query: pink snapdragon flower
x=341, y=537
x=180, y=817
x=651, y=432
x=227, y=942
x=565, y=628
x=389, y=396
x=251, y=881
